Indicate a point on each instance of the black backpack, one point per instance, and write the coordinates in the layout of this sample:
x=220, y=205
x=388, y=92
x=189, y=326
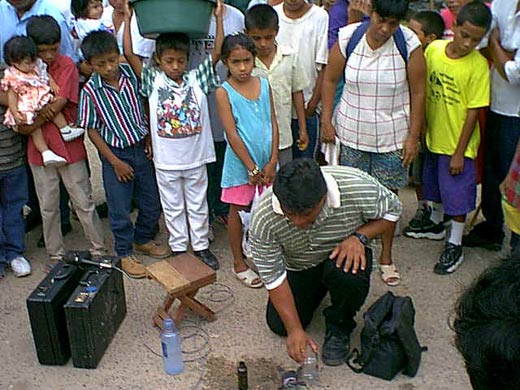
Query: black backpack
x=389, y=344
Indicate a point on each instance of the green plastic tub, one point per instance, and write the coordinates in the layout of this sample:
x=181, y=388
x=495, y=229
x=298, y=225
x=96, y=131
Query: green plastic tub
x=161, y=16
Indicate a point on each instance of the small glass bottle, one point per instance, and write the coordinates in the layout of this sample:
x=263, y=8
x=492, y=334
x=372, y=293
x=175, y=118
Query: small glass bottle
x=242, y=376
x=171, y=348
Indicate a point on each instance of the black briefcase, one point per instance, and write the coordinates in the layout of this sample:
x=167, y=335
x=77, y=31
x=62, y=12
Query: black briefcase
x=46, y=314
x=94, y=312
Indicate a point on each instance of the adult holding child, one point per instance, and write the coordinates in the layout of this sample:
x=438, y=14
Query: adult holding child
x=380, y=114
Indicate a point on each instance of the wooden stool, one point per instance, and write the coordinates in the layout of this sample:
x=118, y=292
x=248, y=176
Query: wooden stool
x=181, y=276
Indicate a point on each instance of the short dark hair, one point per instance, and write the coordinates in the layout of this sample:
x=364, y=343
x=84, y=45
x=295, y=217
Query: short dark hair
x=79, y=8
x=19, y=48
x=172, y=41
x=98, y=43
x=431, y=23
x=391, y=8
x=235, y=40
x=299, y=185
x=476, y=13
x=487, y=328
x=44, y=30
x=262, y=17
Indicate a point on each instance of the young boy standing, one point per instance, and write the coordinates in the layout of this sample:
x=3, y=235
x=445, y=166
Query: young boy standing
x=281, y=66
x=428, y=26
x=112, y=111
x=457, y=87
x=45, y=32
x=13, y=187
x=181, y=134
x=304, y=27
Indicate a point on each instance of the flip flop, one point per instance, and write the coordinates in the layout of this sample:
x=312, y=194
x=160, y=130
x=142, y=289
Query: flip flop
x=248, y=278
x=390, y=274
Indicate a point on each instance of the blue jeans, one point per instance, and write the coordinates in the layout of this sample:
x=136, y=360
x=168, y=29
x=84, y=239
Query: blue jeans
x=502, y=135
x=313, y=130
x=13, y=196
x=143, y=189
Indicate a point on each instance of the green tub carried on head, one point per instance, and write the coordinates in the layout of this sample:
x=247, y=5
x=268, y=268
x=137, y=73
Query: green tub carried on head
x=190, y=17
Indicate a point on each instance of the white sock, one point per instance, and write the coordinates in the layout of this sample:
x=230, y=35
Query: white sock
x=457, y=230
x=437, y=213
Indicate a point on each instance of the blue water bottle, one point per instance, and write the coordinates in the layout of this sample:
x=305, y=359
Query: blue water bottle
x=171, y=348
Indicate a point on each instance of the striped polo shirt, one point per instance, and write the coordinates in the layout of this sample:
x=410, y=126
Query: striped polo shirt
x=353, y=199
x=119, y=116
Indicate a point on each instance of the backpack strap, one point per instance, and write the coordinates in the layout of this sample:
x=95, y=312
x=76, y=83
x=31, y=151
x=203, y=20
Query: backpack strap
x=356, y=37
x=400, y=42
x=361, y=30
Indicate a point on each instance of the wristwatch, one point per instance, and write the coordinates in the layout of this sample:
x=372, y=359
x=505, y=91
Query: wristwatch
x=253, y=172
x=361, y=237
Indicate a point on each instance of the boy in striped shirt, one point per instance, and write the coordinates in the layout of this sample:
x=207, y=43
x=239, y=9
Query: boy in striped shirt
x=111, y=110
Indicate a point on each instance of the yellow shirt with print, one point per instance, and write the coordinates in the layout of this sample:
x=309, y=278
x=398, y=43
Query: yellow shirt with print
x=452, y=87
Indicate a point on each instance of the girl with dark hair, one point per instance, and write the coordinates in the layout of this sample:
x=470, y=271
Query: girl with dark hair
x=245, y=105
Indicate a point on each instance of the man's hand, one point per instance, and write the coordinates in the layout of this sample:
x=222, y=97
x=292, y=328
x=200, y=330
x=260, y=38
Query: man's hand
x=456, y=164
x=297, y=342
x=410, y=150
x=350, y=254
x=124, y=172
x=328, y=133
x=47, y=113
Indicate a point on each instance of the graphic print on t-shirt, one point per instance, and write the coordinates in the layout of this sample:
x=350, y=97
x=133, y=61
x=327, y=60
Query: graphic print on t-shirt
x=177, y=116
x=444, y=87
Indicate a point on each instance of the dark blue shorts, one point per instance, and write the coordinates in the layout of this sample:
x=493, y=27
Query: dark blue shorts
x=457, y=193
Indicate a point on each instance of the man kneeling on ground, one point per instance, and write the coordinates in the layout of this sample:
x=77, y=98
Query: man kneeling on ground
x=310, y=234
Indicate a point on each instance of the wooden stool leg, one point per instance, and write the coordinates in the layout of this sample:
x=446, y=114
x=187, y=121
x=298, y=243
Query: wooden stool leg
x=181, y=310
x=199, y=308
x=162, y=311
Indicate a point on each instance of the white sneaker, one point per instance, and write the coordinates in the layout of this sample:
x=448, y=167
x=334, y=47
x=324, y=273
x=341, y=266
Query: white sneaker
x=70, y=133
x=51, y=159
x=20, y=266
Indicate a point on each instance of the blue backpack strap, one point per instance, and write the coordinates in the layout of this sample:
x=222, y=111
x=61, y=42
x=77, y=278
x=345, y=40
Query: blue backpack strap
x=400, y=42
x=356, y=37
x=358, y=33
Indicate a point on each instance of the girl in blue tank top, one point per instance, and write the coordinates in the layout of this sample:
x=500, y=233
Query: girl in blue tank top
x=246, y=109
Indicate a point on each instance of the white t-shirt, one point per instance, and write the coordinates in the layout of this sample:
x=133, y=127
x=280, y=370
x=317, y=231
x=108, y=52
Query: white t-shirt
x=179, y=120
x=142, y=46
x=373, y=113
x=233, y=21
x=308, y=36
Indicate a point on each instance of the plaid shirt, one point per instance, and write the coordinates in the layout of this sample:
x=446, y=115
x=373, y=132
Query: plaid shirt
x=204, y=74
x=119, y=116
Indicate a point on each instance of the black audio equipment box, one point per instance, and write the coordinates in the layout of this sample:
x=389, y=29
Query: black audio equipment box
x=94, y=311
x=46, y=314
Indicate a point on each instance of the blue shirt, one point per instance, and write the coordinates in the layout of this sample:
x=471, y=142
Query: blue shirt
x=253, y=124
x=11, y=24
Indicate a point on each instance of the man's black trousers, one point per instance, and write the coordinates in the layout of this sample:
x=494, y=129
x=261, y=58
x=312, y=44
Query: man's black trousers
x=348, y=292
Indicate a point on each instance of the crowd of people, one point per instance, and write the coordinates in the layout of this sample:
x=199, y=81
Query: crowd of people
x=199, y=129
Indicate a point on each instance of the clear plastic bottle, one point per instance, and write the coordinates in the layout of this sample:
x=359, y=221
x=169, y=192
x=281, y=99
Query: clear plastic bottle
x=171, y=348
x=309, y=370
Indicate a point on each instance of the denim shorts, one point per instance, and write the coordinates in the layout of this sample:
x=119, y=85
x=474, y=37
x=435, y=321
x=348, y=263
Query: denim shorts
x=387, y=167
